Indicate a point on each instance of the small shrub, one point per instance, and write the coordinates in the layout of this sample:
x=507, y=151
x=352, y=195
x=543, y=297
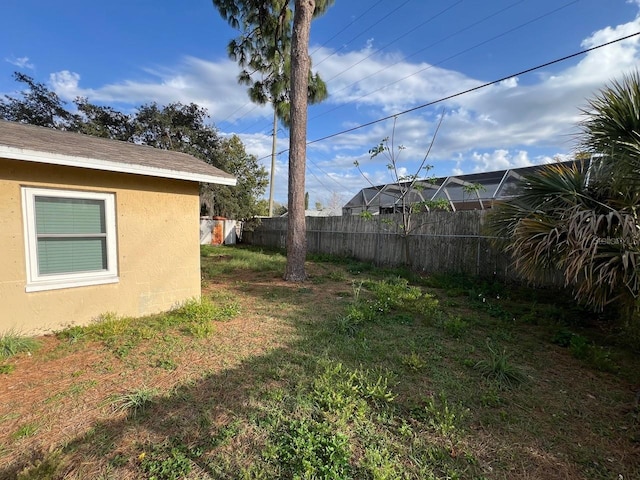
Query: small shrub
x=12, y=343
x=499, y=368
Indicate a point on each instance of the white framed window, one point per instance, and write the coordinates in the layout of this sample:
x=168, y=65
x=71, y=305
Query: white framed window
x=70, y=238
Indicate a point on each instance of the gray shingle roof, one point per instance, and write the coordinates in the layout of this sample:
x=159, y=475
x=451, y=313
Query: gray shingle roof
x=45, y=145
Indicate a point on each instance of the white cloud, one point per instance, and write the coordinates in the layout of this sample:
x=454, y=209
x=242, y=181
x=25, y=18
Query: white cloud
x=516, y=122
x=20, y=62
x=212, y=85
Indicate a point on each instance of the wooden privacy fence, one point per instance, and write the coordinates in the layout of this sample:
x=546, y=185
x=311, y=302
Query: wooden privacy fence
x=441, y=242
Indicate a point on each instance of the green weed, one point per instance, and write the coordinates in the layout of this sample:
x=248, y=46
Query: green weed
x=135, y=402
x=12, y=343
x=72, y=334
x=6, y=368
x=442, y=417
x=26, y=430
x=165, y=363
x=349, y=393
x=413, y=361
x=499, y=368
x=337, y=276
x=307, y=449
x=455, y=326
x=48, y=468
x=579, y=347
x=166, y=462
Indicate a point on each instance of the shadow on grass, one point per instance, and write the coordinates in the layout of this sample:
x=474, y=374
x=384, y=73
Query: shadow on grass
x=225, y=424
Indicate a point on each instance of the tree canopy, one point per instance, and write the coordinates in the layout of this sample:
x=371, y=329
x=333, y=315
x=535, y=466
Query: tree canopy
x=179, y=127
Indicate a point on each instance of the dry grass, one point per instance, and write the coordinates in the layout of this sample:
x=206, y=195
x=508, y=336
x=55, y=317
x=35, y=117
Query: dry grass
x=222, y=405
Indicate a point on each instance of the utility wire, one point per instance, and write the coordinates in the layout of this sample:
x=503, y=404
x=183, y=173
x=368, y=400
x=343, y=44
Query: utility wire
x=364, y=31
x=470, y=90
x=430, y=19
x=426, y=48
x=334, y=36
x=327, y=174
x=370, y=8
x=462, y=30
x=540, y=17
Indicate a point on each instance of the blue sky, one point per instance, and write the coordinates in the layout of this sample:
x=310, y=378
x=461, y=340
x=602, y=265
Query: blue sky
x=378, y=58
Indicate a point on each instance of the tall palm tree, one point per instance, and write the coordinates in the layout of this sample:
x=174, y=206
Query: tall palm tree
x=582, y=220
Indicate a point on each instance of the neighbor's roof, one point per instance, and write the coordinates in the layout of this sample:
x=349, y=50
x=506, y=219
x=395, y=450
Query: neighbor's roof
x=496, y=185
x=29, y=143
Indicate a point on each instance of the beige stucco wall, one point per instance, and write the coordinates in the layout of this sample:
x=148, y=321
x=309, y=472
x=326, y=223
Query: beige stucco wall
x=158, y=248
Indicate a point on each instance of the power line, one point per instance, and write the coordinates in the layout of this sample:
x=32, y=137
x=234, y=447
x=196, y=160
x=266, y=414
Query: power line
x=422, y=24
x=333, y=37
x=364, y=31
x=462, y=30
x=327, y=174
x=370, y=8
x=470, y=90
x=529, y=22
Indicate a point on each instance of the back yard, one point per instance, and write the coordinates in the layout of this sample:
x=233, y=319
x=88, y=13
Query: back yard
x=358, y=373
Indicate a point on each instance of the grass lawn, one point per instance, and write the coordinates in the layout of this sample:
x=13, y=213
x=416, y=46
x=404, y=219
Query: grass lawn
x=358, y=373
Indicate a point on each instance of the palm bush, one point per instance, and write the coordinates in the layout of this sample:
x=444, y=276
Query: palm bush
x=581, y=220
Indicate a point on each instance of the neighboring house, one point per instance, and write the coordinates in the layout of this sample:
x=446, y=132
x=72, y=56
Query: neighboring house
x=89, y=226
x=323, y=212
x=473, y=191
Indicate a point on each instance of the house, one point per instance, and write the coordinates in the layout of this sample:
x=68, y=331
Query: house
x=90, y=225
x=473, y=191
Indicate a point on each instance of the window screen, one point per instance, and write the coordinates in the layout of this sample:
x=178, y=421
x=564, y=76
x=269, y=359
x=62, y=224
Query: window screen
x=71, y=235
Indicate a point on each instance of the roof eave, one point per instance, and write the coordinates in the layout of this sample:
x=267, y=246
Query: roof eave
x=13, y=153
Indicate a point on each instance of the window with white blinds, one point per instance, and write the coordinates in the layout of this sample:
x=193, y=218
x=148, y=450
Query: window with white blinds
x=70, y=238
